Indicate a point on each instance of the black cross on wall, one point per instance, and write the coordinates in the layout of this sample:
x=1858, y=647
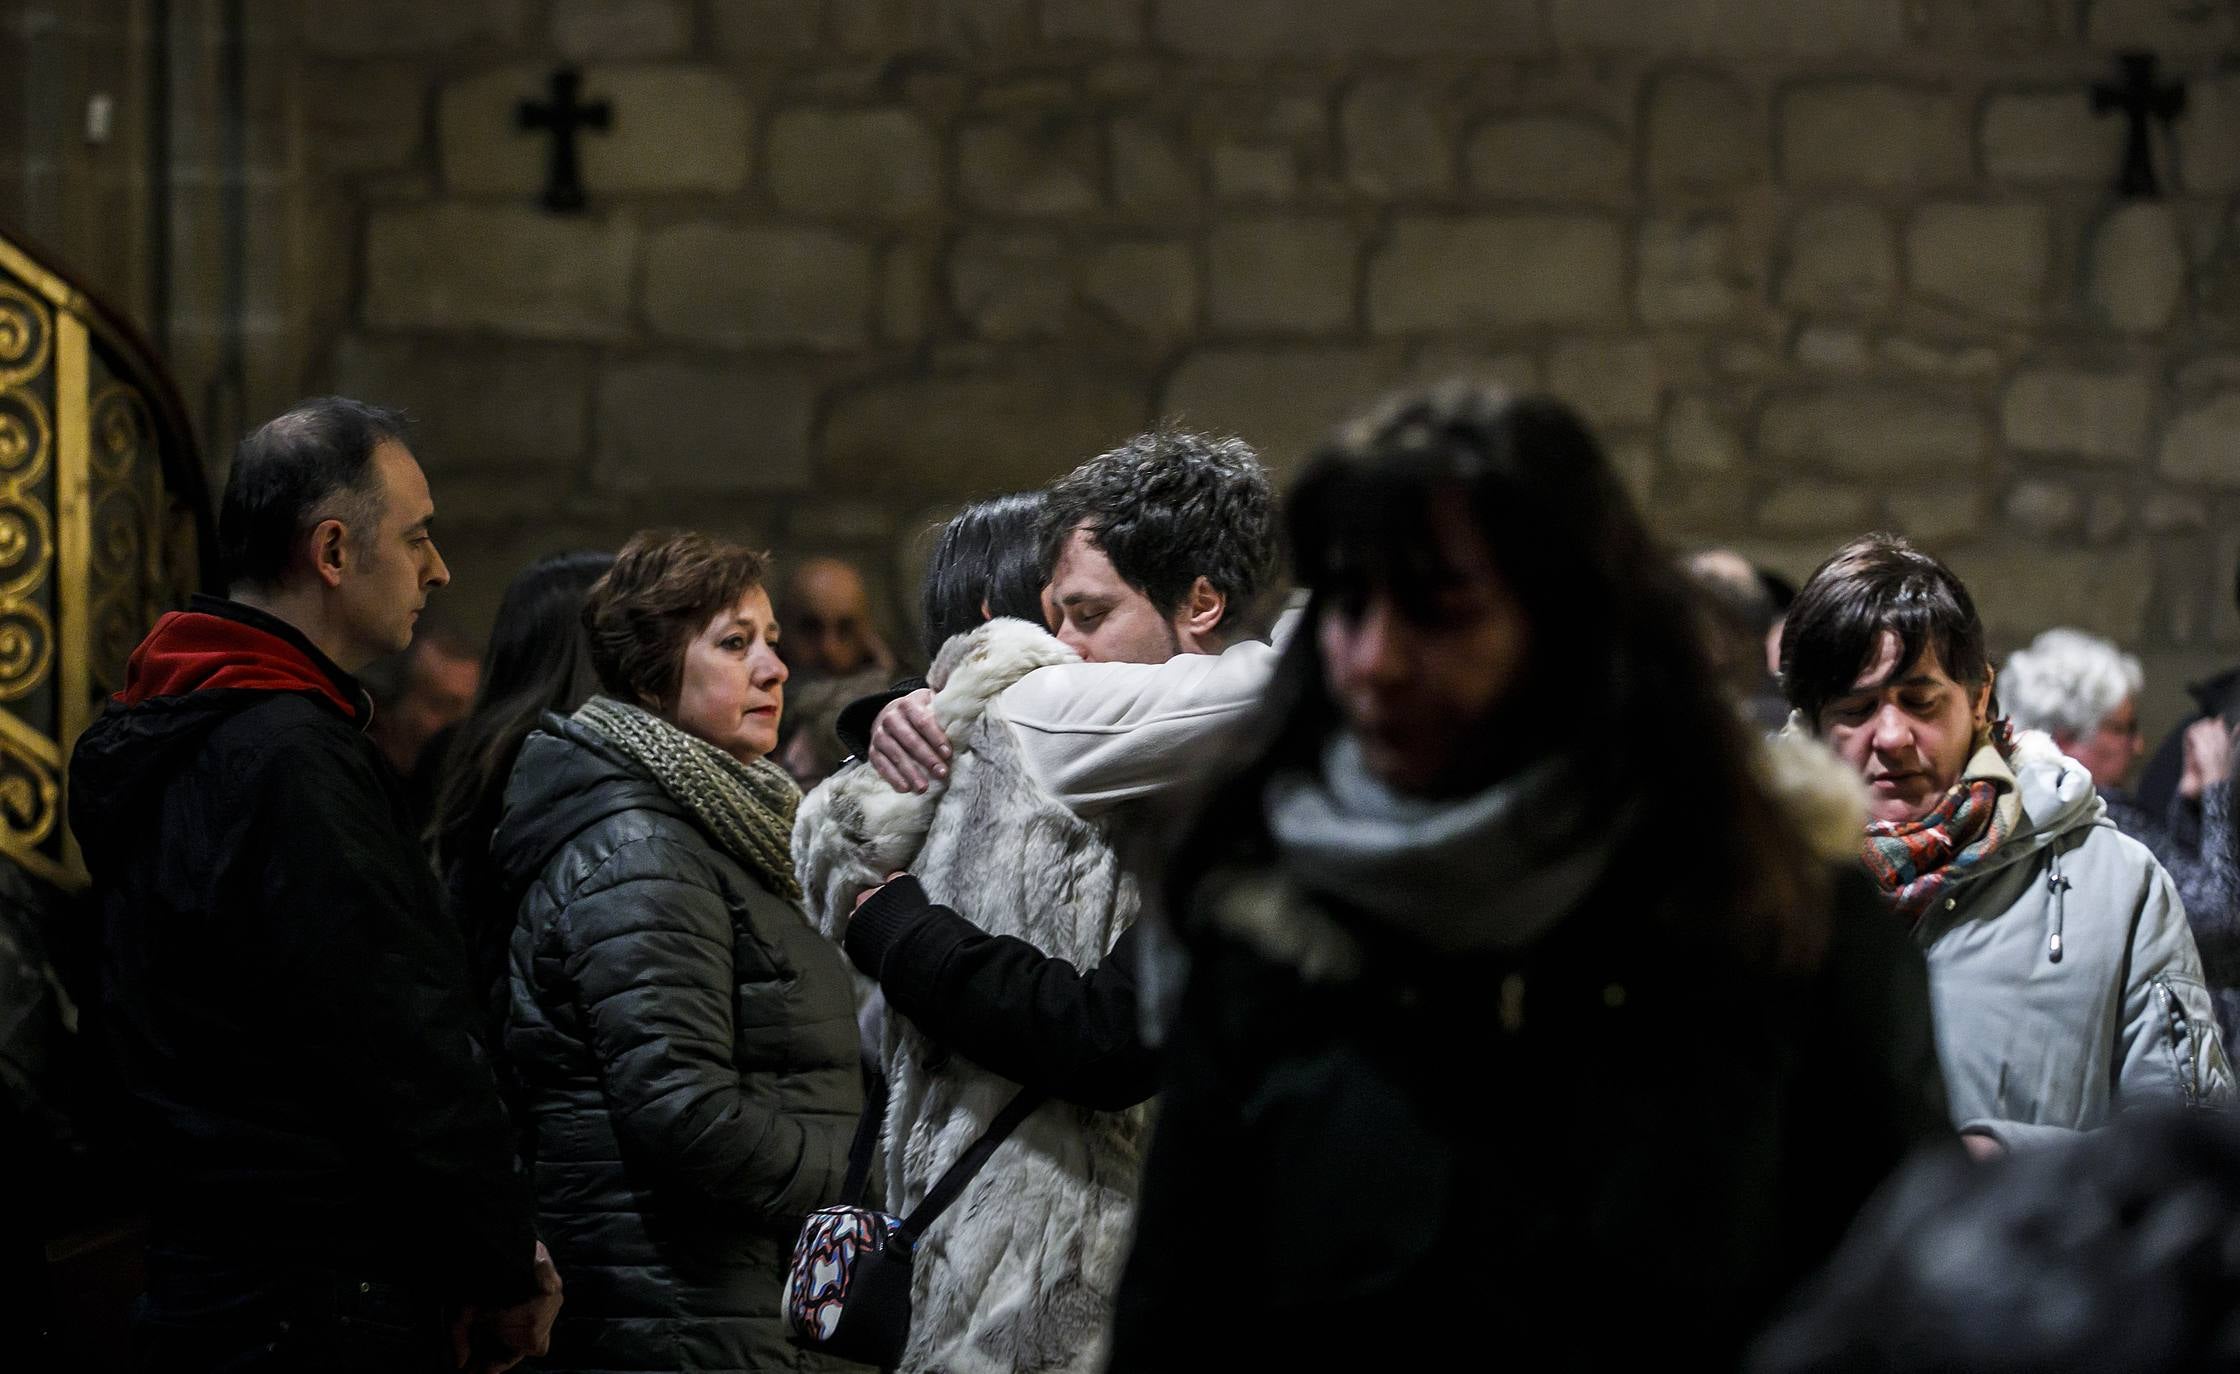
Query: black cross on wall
x=562, y=116
x=2143, y=101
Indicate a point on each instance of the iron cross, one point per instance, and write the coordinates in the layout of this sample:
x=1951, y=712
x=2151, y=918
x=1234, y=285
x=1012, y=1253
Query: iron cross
x=562, y=117
x=2143, y=102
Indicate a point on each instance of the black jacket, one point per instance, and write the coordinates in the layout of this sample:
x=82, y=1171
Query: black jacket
x=287, y=1003
x=1611, y=1148
x=1075, y=1035
x=2157, y=792
x=686, y=1052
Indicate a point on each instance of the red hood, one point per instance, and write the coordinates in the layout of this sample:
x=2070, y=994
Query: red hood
x=191, y=651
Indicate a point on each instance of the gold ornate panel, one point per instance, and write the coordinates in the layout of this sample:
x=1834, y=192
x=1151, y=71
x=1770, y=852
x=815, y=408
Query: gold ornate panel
x=104, y=525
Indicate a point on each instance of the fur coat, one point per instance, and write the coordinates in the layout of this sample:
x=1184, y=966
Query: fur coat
x=1020, y=1274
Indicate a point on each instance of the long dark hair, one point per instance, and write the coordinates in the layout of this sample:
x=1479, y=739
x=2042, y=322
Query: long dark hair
x=990, y=553
x=1618, y=676
x=539, y=660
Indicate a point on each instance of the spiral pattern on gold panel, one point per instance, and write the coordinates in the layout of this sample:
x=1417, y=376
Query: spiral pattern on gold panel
x=26, y=525
x=26, y=336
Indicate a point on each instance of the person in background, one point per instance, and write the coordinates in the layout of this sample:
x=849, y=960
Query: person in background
x=2066, y=982
x=2084, y=692
x=2187, y=760
x=810, y=748
x=331, y=1172
x=684, y=1043
x=1743, y=619
x=539, y=660
x=419, y=697
x=826, y=610
x=1511, y=964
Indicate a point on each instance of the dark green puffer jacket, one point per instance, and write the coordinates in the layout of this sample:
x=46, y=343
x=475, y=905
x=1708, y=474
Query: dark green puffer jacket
x=686, y=1050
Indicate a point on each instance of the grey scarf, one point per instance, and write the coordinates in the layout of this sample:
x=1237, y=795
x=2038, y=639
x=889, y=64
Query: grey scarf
x=1492, y=871
x=747, y=807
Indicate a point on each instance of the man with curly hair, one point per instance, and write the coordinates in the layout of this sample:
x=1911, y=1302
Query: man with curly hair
x=1010, y=791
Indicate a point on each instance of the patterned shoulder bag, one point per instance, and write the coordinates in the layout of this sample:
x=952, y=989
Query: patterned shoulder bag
x=847, y=1289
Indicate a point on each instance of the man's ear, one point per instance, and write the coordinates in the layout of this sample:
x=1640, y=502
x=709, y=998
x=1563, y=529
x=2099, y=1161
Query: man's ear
x=1984, y=698
x=1199, y=620
x=329, y=554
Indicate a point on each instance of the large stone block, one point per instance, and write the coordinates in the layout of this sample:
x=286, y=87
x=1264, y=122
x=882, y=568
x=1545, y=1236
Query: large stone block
x=2021, y=588
x=1282, y=402
x=1254, y=173
x=1989, y=260
x=2046, y=137
x=1151, y=288
x=621, y=30
x=2102, y=416
x=1809, y=507
x=673, y=425
x=363, y=116
x=2176, y=28
x=1865, y=430
x=1151, y=170
x=875, y=28
x=2040, y=507
x=879, y=163
x=1841, y=259
x=1731, y=28
x=763, y=30
x=670, y=129
x=1700, y=130
x=1395, y=144
x=1936, y=516
x=1256, y=30
x=366, y=28
x=514, y=270
x=759, y=286
x=1872, y=133
x=475, y=407
x=2209, y=136
x=1612, y=382
x=1011, y=429
x=1105, y=23
x=1548, y=158
x=1497, y=272
x=1010, y=285
x=1700, y=436
x=2203, y=443
x=1293, y=276
x=1688, y=271
x=2137, y=267
x=1047, y=168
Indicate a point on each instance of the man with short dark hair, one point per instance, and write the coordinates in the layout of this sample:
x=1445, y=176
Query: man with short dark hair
x=332, y=1176
x=1163, y=548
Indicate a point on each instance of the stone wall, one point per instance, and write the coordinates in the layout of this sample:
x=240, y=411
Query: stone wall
x=1810, y=266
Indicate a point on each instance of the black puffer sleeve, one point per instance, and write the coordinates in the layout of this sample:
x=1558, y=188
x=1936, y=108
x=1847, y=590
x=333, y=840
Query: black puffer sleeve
x=648, y=943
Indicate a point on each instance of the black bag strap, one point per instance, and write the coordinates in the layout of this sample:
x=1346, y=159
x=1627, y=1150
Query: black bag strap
x=866, y=1143
x=970, y=1163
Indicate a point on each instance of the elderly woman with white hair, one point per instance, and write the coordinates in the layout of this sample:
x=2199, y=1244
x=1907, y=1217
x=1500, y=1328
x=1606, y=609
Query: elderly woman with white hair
x=2083, y=691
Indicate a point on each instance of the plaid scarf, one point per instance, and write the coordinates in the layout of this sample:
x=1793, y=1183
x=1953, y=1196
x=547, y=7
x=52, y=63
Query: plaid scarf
x=1916, y=861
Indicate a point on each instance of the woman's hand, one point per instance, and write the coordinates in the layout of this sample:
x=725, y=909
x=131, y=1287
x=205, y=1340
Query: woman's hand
x=907, y=746
x=2208, y=751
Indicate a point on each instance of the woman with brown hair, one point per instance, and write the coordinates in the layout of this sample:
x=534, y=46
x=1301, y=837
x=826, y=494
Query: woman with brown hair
x=684, y=1042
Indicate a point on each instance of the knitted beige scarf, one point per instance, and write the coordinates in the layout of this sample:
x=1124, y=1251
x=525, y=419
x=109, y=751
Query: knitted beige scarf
x=747, y=807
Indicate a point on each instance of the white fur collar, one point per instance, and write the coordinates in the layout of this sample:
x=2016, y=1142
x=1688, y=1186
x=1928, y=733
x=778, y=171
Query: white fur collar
x=853, y=829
